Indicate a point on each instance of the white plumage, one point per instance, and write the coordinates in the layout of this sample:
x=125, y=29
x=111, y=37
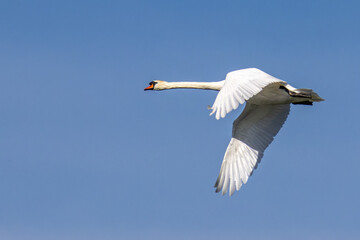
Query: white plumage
x=239, y=86
x=253, y=131
x=268, y=105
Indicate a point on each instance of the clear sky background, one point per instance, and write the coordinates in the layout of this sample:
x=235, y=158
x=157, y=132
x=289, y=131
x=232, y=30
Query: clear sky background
x=85, y=153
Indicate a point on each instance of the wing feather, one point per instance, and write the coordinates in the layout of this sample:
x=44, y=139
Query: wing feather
x=240, y=86
x=237, y=176
x=253, y=131
x=232, y=179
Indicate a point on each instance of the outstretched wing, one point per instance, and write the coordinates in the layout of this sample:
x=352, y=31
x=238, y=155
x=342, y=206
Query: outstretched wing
x=239, y=86
x=253, y=131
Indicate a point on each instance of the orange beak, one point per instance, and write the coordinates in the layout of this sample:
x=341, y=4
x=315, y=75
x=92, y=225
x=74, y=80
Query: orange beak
x=151, y=87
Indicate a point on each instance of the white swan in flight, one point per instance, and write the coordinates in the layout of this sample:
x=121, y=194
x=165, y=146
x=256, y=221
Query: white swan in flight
x=268, y=102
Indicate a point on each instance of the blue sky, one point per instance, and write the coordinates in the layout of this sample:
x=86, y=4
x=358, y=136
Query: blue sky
x=85, y=153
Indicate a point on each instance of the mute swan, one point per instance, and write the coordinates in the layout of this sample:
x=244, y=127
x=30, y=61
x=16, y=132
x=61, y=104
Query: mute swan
x=268, y=102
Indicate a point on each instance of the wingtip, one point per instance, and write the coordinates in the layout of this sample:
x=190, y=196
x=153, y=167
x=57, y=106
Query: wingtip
x=217, y=116
x=217, y=182
x=217, y=187
x=224, y=191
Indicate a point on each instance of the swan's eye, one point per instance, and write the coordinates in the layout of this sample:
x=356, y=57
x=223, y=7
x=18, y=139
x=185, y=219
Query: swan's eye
x=153, y=83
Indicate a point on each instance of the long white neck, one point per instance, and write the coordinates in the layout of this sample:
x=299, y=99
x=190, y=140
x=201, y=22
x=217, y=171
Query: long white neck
x=197, y=85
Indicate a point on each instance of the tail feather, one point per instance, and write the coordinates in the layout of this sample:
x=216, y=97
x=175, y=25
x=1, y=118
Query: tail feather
x=315, y=97
x=305, y=96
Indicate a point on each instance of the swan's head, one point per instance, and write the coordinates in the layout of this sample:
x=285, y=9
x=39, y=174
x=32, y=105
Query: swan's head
x=157, y=85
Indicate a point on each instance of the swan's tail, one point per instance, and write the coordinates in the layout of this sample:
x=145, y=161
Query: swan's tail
x=305, y=96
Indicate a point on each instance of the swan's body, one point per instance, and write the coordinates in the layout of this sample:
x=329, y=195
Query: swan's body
x=268, y=105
